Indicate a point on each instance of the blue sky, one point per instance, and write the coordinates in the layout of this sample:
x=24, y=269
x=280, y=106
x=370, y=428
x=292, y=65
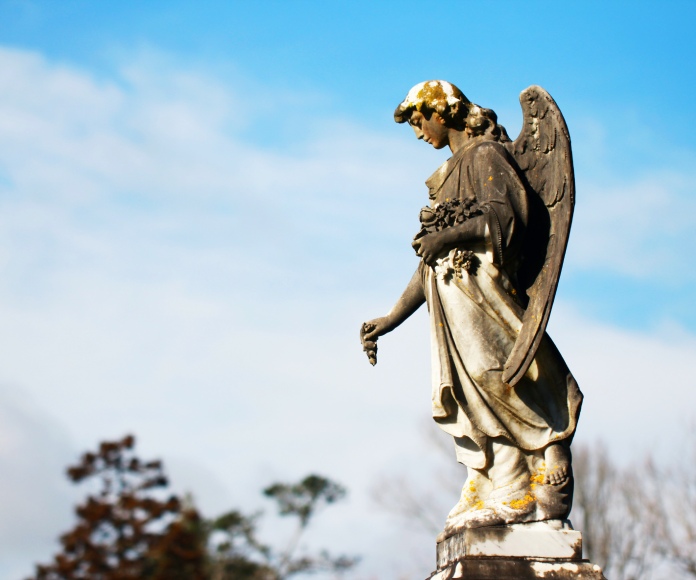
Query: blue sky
x=619, y=66
x=200, y=202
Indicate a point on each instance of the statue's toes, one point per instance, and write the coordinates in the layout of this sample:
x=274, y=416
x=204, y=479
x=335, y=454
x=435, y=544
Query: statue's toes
x=560, y=476
x=556, y=477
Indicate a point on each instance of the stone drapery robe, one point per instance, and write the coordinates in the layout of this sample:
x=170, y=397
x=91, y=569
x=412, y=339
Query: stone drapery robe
x=475, y=318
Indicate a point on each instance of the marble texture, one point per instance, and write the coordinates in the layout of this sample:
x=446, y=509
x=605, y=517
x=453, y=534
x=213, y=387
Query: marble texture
x=553, y=539
x=491, y=245
x=519, y=569
x=549, y=549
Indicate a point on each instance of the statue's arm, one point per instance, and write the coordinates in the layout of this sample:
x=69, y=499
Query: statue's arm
x=430, y=246
x=410, y=301
x=495, y=183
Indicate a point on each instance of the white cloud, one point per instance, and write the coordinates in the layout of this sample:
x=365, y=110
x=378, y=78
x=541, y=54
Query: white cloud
x=164, y=273
x=34, y=451
x=160, y=276
x=639, y=395
x=643, y=228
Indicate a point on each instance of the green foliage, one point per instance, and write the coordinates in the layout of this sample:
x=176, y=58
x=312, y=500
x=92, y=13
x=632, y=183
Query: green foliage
x=236, y=533
x=304, y=498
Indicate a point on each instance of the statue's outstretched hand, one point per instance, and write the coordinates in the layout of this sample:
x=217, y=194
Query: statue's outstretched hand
x=370, y=331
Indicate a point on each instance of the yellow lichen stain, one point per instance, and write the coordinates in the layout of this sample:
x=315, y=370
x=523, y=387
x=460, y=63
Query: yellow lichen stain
x=537, y=478
x=490, y=178
x=431, y=95
x=471, y=496
x=518, y=504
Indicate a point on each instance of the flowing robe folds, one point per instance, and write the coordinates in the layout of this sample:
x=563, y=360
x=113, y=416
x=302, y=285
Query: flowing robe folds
x=476, y=316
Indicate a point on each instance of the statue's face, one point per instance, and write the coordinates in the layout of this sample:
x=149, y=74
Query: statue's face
x=432, y=130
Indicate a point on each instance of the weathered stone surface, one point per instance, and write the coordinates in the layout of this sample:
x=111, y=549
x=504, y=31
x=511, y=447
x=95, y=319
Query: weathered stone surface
x=552, y=539
x=518, y=569
x=550, y=550
x=492, y=242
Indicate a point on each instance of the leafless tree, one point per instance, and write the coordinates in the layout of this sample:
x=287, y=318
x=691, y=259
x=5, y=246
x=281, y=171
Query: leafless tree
x=414, y=505
x=677, y=490
x=638, y=521
x=619, y=511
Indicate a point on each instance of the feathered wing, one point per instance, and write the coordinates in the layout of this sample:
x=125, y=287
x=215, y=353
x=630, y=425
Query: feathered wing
x=543, y=152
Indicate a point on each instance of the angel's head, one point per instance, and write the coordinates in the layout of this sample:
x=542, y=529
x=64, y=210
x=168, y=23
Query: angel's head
x=435, y=108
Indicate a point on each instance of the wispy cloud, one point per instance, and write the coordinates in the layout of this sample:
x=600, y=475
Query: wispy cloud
x=643, y=227
x=164, y=271
x=34, y=450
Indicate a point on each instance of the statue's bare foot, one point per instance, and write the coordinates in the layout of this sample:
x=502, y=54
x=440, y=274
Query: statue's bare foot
x=469, y=499
x=493, y=513
x=513, y=503
x=557, y=464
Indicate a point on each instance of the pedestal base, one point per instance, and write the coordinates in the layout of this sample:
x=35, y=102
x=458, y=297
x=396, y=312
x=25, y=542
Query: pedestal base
x=551, y=550
x=518, y=569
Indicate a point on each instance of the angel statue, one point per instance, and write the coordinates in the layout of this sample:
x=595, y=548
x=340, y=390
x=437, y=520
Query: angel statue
x=491, y=247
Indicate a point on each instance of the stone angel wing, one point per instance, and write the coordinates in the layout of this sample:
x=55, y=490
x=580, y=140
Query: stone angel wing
x=542, y=151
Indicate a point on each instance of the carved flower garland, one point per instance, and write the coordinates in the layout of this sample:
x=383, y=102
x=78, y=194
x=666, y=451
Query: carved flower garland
x=444, y=215
x=454, y=264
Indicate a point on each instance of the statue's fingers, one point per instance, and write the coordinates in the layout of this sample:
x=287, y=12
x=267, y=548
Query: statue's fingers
x=369, y=345
x=371, y=335
x=367, y=328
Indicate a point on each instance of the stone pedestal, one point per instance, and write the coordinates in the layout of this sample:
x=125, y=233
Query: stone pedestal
x=551, y=550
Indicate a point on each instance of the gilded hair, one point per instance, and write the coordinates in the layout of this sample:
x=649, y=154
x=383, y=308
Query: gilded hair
x=449, y=102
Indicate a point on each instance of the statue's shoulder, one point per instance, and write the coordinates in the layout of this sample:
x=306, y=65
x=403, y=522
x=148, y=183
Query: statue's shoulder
x=483, y=151
x=490, y=150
